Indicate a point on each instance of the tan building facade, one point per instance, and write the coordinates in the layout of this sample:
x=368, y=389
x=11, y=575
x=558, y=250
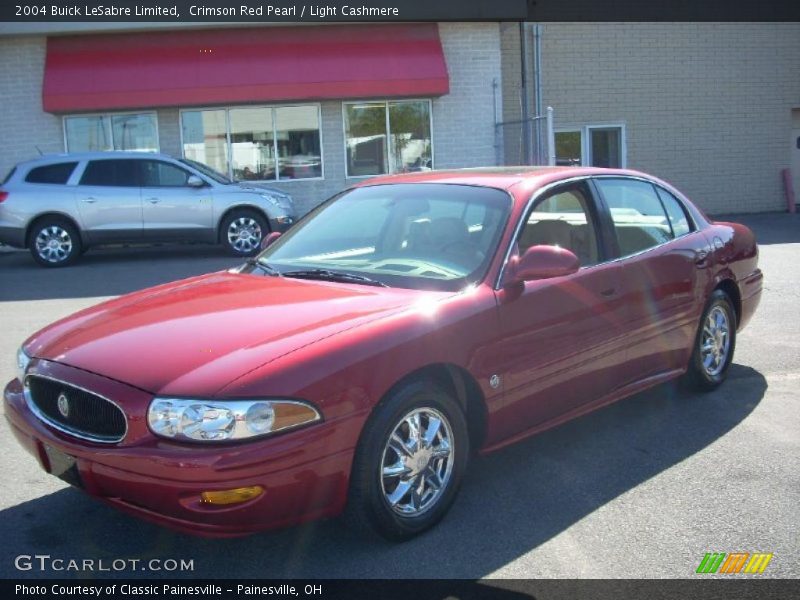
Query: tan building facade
x=706, y=106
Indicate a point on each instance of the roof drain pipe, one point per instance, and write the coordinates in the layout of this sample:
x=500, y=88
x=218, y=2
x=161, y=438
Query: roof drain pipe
x=527, y=120
x=541, y=154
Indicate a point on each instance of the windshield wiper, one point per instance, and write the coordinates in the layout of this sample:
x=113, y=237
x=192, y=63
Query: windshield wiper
x=327, y=274
x=264, y=266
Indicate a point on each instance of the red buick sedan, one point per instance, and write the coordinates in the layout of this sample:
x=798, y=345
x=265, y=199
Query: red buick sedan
x=359, y=360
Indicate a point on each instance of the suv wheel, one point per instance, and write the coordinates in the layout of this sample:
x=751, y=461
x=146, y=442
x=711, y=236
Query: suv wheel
x=409, y=463
x=242, y=231
x=54, y=243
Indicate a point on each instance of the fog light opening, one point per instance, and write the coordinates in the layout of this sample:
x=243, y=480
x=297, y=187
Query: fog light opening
x=234, y=496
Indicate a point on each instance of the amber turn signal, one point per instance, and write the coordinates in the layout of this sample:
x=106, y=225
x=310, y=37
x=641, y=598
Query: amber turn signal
x=234, y=496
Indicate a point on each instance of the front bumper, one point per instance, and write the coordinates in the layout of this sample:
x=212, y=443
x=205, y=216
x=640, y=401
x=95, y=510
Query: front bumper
x=302, y=473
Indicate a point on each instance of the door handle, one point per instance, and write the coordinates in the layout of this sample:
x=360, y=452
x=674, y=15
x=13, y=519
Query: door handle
x=89, y=199
x=608, y=292
x=154, y=200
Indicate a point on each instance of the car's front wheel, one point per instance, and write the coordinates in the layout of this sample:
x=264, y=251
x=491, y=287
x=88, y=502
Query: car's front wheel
x=714, y=343
x=409, y=462
x=54, y=242
x=242, y=230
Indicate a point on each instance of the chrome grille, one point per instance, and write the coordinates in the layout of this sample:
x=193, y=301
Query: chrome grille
x=74, y=410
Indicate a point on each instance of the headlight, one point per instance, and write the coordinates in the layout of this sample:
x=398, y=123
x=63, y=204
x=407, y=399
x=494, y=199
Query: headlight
x=225, y=420
x=22, y=364
x=278, y=200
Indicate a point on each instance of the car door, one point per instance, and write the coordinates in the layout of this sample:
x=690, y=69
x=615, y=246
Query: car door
x=560, y=339
x=109, y=200
x=663, y=261
x=172, y=209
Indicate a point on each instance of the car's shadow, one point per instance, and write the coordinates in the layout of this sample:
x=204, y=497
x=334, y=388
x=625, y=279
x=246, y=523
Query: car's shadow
x=512, y=501
x=107, y=271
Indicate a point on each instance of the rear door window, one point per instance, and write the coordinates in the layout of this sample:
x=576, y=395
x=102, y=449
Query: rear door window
x=681, y=225
x=58, y=173
x=111, y=172
x=640, y=222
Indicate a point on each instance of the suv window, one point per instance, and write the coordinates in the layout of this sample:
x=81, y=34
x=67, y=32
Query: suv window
x=57, y=173
x=639, y=218
x=111, y=172
x=677, y=214
x=563, y=219
x=156, y=173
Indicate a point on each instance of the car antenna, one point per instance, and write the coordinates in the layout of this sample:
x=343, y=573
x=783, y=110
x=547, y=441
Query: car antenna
x=39, y=150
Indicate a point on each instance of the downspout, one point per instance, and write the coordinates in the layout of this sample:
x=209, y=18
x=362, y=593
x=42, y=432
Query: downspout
x=527, y=141
x=537, y=90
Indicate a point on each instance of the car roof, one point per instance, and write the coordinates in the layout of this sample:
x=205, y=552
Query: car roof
x=102, y=154
x=499, y=177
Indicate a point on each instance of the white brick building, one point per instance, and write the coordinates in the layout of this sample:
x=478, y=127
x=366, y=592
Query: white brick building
x=707, y=106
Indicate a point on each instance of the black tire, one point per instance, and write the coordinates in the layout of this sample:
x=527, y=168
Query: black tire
x=251, y=220
x=701, y=376
x=54, y=242
x=370, y=488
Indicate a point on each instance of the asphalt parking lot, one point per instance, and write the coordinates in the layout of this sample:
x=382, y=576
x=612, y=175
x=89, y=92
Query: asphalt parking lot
x=643, y=488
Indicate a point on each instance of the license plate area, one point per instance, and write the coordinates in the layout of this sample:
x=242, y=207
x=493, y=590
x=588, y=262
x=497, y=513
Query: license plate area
x=63, y=466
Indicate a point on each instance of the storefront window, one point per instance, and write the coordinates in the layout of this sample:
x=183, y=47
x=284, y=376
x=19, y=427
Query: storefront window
x=134, y=132
x=262, y=143
x=205, y=138
x=111, y=132
x=410, y=136
x=297, y=129
x=252, y=144
x=365, y=126
x=405, y=124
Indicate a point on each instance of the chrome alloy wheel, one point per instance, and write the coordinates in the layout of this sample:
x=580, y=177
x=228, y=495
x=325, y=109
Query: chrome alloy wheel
x=53, y=244
x=244, y=234
x=716, y=341
x=417, y=462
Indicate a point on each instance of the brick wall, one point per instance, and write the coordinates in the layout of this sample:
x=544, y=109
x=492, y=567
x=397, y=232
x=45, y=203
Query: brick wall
x=463, y=120
x=23, y=124
x=707, y=106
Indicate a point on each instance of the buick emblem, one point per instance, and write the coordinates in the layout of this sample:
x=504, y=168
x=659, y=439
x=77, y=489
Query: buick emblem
x=63, y=405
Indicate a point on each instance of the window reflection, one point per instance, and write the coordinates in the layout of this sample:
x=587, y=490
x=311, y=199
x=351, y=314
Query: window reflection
x=205, y=138
x=297, y=129
x=252, y=144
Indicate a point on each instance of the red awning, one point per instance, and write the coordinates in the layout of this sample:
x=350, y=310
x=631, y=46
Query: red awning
x=224, y=66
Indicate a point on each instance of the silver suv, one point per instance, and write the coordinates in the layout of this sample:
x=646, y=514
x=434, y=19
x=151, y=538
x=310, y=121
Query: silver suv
x=58, y=206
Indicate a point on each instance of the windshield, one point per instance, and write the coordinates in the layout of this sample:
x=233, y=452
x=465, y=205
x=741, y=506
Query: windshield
x=207, y=171
x=421, y=236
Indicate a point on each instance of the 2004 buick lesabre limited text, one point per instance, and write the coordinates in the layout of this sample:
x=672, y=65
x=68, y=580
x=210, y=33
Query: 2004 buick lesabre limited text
x=355, y=364
x=101, y=10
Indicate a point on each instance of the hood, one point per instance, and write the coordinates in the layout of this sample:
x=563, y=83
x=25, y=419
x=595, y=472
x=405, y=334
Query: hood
x=193, y=337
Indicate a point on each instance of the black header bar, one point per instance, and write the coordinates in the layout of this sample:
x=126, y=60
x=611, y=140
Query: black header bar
x=318, y=11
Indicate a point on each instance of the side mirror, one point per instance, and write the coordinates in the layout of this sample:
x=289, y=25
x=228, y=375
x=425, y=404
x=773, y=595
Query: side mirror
x=270, y=239
x=195, y=182
x=541, y=262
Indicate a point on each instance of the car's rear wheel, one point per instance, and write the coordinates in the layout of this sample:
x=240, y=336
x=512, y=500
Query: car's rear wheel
x=714, y=344
x=54, y=242
x=409, y=463
x=242, y=231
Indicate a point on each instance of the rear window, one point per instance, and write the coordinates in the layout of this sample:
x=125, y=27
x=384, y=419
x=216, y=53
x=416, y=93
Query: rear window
x=119, y=173
x=10, y=175
x=57, y=173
